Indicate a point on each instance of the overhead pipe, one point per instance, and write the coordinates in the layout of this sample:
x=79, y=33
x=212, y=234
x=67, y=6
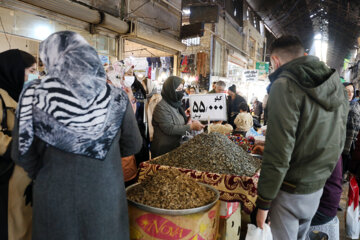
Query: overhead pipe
x=145, y=32
x=82, y=13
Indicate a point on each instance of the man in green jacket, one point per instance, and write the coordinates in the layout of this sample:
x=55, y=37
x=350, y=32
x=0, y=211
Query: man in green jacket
x=307, y=112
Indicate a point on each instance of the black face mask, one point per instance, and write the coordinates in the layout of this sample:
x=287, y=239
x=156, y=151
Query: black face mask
x=179, y=95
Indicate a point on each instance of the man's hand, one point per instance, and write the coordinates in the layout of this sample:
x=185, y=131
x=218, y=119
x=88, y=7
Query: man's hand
x=261, y=218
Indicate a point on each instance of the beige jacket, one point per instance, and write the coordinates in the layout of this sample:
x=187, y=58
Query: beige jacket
x=19, y=215
x=11, y=105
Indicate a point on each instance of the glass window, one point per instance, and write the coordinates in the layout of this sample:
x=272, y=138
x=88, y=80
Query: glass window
x=102, y=44
x=112, y=47
x=32, y=26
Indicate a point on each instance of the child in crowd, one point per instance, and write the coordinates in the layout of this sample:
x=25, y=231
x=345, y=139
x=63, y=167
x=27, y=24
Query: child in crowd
x=244, y=120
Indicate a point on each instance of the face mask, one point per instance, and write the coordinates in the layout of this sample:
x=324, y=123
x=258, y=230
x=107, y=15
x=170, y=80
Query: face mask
x=129, y=80
x=32, y=77
x=179, y=95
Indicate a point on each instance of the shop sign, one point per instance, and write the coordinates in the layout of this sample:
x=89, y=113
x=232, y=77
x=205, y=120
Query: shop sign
x=206, y=107
x=250, y=75
x=262, y=67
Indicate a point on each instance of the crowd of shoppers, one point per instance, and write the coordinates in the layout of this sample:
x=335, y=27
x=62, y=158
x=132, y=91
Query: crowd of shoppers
x=79, y=134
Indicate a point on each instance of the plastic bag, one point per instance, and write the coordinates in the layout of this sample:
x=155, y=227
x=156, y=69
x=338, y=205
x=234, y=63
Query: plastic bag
x=352, y=213
x=255, y=233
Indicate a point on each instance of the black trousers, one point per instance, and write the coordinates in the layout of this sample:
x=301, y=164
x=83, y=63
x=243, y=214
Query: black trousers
x=4, y=196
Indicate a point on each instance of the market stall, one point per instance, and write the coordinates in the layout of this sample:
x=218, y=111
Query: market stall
x=238, y=184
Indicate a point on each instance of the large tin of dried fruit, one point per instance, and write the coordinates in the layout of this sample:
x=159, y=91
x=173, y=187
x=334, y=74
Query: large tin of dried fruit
x=150, y=223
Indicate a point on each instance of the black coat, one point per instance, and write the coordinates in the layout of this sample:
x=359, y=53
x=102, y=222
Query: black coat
x=234, y=108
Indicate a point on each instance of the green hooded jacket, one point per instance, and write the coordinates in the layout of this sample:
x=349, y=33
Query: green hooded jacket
x=307, y=113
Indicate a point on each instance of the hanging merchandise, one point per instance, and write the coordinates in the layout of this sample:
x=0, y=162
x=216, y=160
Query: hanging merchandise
x=153, y=74
x=149, y=73
x=201, y=63
x=184, y=65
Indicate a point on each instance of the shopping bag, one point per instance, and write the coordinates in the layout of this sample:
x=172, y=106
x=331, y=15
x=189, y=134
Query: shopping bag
x=352, y=213
x=255, y=233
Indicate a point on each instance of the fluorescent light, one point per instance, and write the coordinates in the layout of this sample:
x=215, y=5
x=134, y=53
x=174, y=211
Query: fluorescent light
x=41, y=32
x=186, y=11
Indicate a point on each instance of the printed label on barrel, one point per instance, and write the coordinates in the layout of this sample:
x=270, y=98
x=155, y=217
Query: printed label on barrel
x=161, y=228
x=196, y=237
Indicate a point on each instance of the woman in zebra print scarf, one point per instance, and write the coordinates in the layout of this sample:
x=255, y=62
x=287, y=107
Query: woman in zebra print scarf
x=73, y=129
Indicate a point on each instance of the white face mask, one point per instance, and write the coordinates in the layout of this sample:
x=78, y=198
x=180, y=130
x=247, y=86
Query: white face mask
x=128, y=81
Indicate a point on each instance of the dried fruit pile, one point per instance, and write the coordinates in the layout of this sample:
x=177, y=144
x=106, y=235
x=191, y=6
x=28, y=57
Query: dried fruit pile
x=169, y=189
x=214, y=153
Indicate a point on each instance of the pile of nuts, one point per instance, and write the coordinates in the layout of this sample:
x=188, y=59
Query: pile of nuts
x=213, y=153
x=169, y=189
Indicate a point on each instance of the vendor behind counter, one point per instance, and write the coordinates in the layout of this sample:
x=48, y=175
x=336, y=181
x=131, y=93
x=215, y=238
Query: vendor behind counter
x=169, y=119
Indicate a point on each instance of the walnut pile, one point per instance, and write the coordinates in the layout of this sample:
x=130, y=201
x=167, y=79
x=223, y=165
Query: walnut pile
x=213, y=153
x=169, y=189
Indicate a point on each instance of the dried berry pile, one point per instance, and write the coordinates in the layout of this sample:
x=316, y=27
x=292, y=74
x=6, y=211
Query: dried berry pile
x=214, y=153
x=169, y=189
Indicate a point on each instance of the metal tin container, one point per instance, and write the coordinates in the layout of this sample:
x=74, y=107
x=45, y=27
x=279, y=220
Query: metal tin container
x=171, y=212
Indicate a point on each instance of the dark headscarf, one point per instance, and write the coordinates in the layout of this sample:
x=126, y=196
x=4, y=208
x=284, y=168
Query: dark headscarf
x=12, y=71
x=171, y=96
x=73, y=108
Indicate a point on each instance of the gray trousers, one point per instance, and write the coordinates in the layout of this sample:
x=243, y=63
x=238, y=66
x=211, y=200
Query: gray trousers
x=291, y=214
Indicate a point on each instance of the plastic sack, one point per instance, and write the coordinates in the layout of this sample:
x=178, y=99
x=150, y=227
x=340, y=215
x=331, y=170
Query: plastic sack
x=255, y=233
x=352, y=226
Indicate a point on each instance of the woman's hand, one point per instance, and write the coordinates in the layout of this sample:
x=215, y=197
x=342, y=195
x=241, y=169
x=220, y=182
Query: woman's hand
x=196, y=125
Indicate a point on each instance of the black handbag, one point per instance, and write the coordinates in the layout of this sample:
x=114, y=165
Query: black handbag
x=5, y=160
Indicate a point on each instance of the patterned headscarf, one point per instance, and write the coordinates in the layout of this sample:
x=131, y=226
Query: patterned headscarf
x=73, y=108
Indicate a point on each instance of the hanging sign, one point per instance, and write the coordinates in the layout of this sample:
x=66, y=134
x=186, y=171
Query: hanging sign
x=250, y=75
x=206, y=107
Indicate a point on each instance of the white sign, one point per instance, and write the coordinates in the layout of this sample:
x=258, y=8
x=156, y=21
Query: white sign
x=204, y=107
x=251, y=75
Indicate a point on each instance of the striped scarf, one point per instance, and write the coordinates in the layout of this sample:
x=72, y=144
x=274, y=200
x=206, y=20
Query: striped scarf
x=73, y=109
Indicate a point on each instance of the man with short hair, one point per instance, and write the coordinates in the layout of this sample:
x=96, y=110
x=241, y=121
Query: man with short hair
x=220, y=87
x=213, y=87
x=307, y=113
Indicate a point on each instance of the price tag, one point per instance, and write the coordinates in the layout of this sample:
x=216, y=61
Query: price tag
x=205, y=107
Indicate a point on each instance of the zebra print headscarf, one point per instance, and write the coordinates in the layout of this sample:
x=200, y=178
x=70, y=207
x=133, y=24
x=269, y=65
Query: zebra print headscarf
x=73, y=109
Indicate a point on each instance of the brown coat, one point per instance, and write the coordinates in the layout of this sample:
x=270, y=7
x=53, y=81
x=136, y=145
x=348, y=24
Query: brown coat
x=19, y=215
